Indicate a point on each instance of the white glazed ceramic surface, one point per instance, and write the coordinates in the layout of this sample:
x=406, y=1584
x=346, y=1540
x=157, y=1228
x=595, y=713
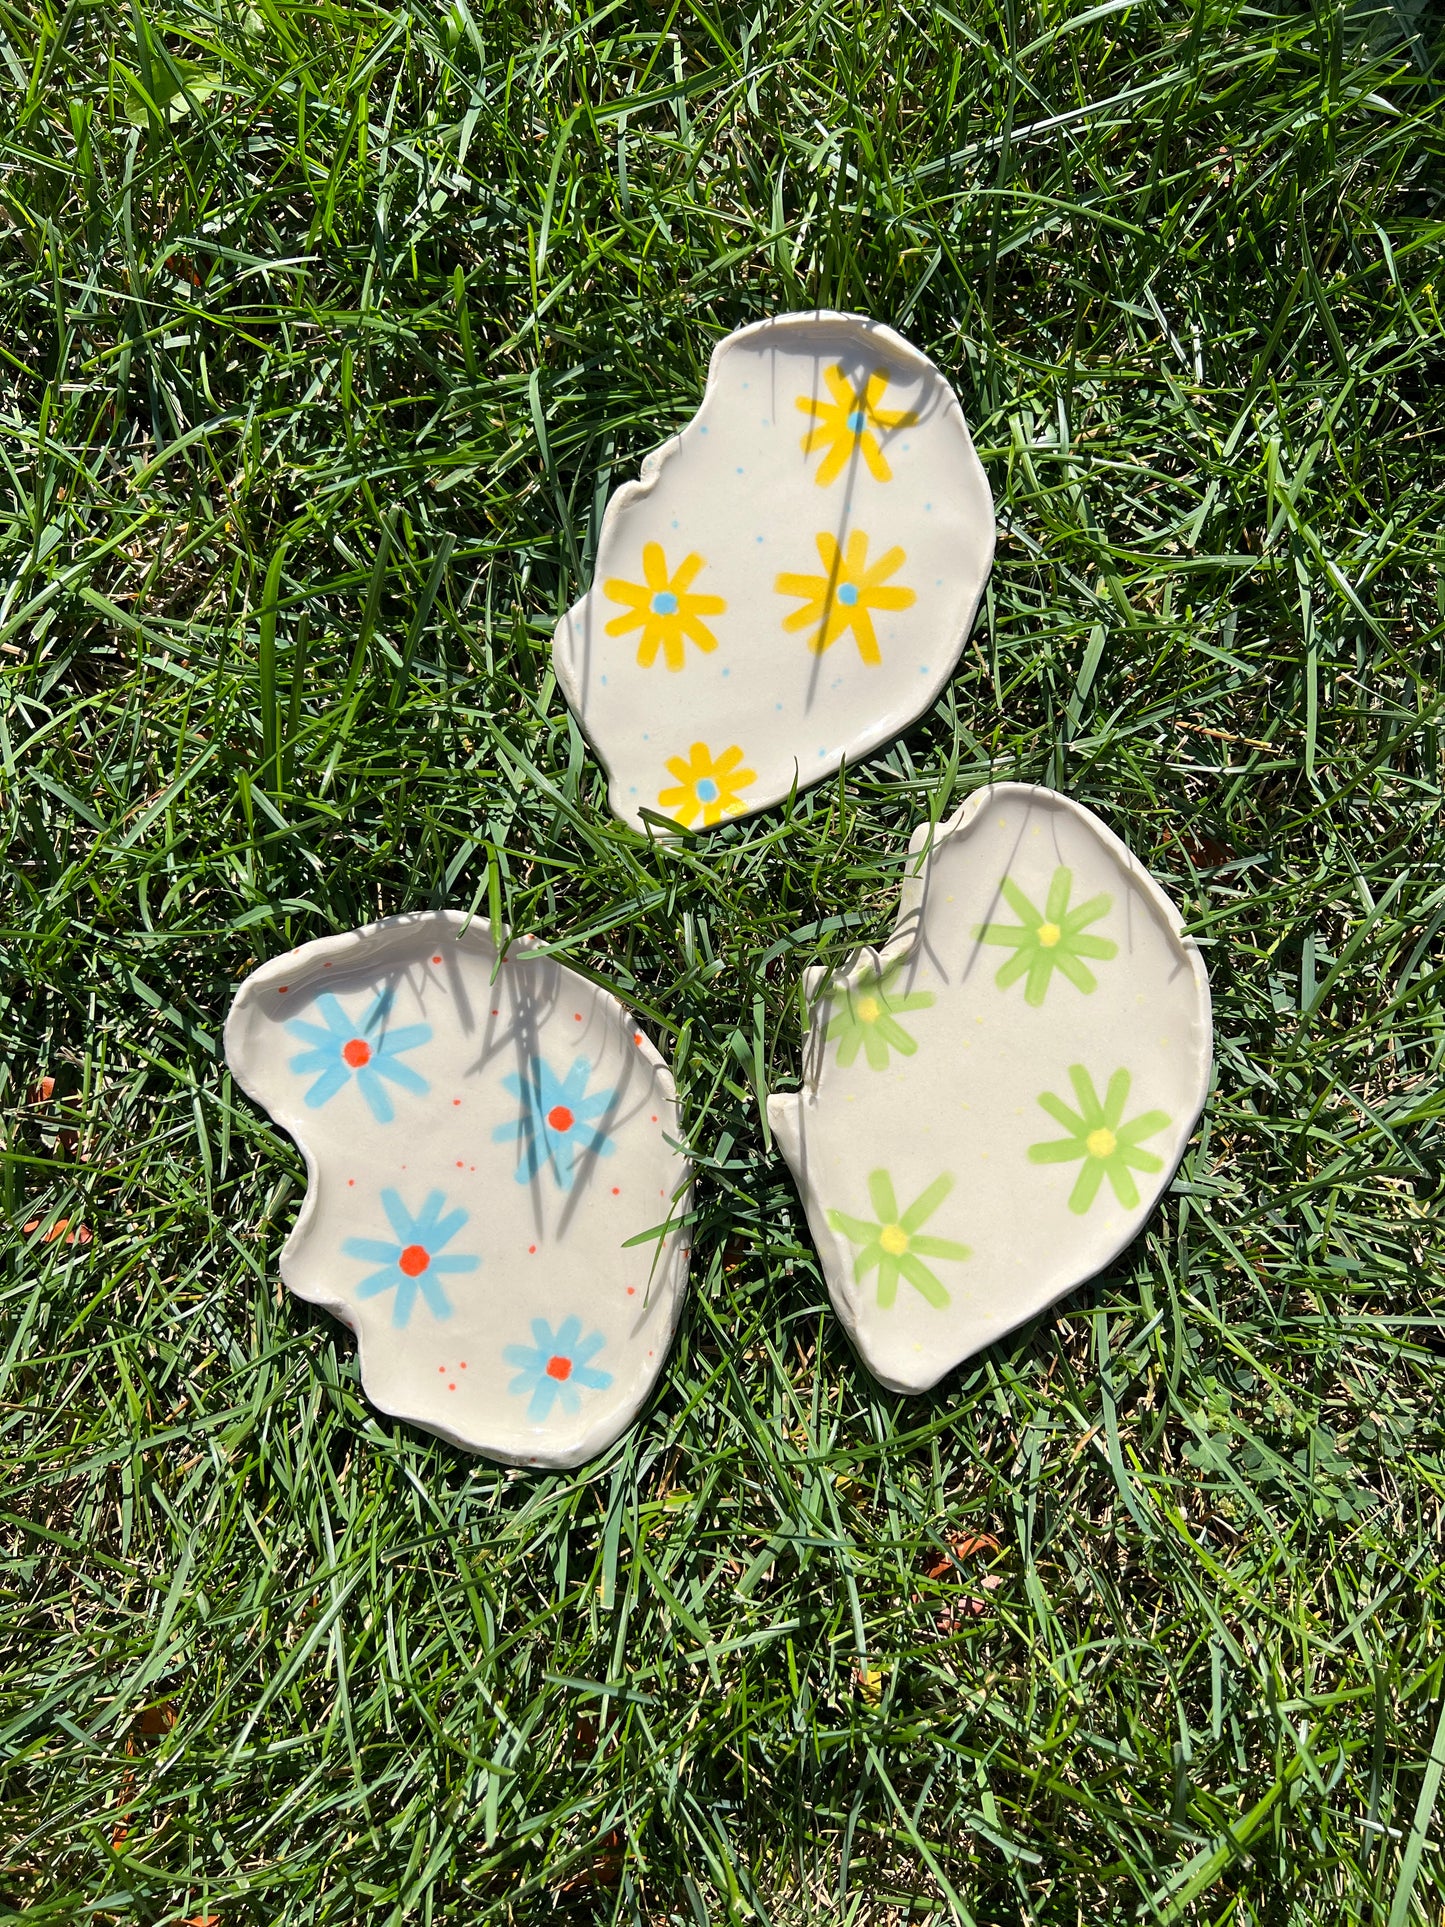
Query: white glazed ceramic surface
x=791, y=580
x=481, y=1142
x=993, y=1104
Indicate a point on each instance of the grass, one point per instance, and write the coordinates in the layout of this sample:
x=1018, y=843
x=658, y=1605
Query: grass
x=327, y=330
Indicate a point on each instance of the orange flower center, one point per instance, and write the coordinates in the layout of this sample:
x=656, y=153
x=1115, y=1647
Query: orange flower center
x=414, y=1260
x=560, y=1119
x=559, y=1367
x=357, y=1052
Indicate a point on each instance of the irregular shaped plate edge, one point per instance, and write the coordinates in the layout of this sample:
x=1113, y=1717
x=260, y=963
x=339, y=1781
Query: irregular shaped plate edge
x=785, y=1109
x=455, y=923
x=649, y=473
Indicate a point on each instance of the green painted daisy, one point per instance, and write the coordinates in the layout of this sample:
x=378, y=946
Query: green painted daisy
x=893, y=1245
x=1109, y=1148
x=865, y=1018
x=1055, y=939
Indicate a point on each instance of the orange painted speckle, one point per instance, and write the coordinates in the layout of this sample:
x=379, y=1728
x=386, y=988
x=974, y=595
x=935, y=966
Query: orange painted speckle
x=414, y=1260
x=496, y=1013
x=654, y=1117
x=351, y=1181
x=436, y=959
x=531, y=1247
x=456, y=1100
x=616, y=1191
x=560, y=1118
x=576, y=1017
x=632, y=1291
x=283, y=988
x=442, y=1369
x=637, y=1037
x=559, y=1368
x=451, y=1388
x=357, y=1052
x=459, y=1164
x=326, y=966
x=461, y=1365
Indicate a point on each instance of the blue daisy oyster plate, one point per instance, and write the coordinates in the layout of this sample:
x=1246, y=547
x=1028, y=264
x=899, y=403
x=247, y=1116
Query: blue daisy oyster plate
x=993, y=1103
x=789, y=582
x=496, y=1183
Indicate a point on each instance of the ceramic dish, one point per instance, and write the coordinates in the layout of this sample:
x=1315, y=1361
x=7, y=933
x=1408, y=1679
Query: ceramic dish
x=789, y=582
x=483, y=1138
x=993, y=1103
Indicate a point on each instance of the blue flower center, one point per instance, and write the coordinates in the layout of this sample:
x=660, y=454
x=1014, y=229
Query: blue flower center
x=706, y=790
x=857, y=422
x=664, y=603
x=848, y=594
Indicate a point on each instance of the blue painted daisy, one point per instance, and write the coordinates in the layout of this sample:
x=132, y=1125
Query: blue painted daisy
x=556, y=1124
x=411, y=1266
x=362, y=1048
x=554, y=1365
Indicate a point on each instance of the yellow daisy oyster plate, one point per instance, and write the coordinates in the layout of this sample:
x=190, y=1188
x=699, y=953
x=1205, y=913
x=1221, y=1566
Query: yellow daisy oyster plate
x=790, y=581
x=993, y=1104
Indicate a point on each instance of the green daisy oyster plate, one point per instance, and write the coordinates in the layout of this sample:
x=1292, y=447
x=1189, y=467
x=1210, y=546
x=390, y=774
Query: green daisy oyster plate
x=993, y=1104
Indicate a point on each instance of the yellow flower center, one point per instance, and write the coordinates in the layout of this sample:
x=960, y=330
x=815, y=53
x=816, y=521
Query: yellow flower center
x=1100, y=1143
x=869, y=1010
x=894, y=1240
x=1049, y=934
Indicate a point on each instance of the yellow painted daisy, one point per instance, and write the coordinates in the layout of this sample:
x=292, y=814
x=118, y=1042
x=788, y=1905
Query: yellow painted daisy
x=848, y=422
x=663, y=609
x=708, y=786
x=841, y=598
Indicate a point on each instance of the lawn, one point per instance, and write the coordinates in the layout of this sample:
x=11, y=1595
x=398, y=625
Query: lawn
x=327, y=330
